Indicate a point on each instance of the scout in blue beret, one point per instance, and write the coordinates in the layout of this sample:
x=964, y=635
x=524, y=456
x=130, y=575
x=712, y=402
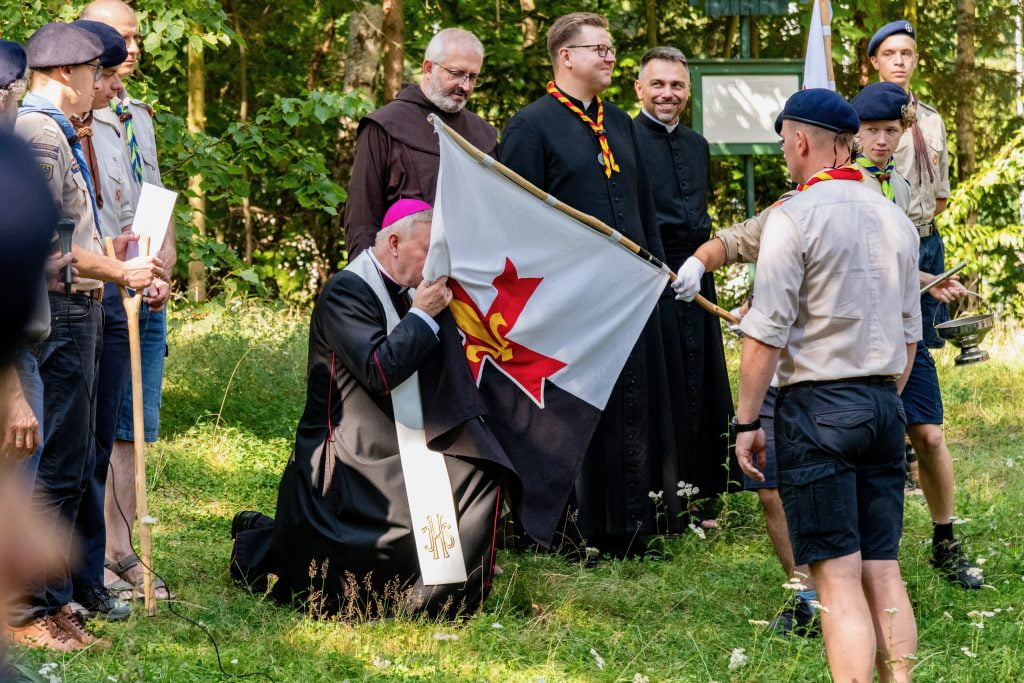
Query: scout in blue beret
x=885, y=112
x=12, y=85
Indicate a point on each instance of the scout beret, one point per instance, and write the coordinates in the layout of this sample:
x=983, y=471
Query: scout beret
x=890, y=29
x=114, y=49
x=880, y=102
x=12, y=62
x=822, y=108
x=58, y=44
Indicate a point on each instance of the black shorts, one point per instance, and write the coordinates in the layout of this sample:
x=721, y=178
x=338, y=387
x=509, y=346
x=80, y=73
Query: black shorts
x=840, y=457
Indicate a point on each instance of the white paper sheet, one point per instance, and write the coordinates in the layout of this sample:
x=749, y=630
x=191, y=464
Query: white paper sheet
x=152, y=216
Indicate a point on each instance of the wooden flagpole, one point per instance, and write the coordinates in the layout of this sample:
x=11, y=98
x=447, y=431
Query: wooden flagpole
x=825, y=10
x=132, y=306
x=583, y=218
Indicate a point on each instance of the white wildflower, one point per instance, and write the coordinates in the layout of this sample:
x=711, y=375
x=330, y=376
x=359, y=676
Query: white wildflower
x=655, y=495
x=737, y=659
x=640, y=678
x=598, y=659
x=1010, y=462
x=978, y=624
x=445, y=636
x=892, y=610
x=592, y=552
x=112, y=678
x=974, y=614
x=380, y=662
x=496, y=625
x=698, y=530
x=960, y=520
x=757, y=622
x=820, y=607
x=148, y=519
x=687, y=490
x=968, y=652
x=975, y=572
x=981, y=560
x=794, y=584
x=234, y=661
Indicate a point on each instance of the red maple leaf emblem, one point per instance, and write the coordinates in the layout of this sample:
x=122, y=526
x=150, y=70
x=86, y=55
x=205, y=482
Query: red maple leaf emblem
x=486, y=333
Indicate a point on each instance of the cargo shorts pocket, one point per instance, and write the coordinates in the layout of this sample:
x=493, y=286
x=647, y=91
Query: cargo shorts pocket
x=810, y=496
x=846, y=431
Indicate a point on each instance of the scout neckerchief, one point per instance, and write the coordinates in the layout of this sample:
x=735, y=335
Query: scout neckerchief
x=428, y=487
x=83, y=129
x=884, y=177
x=842, y=173
x=34, y=103
x=597, y=128
x=133, y=142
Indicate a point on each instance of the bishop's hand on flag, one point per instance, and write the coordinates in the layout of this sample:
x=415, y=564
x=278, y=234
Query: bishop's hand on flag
x=549, y=309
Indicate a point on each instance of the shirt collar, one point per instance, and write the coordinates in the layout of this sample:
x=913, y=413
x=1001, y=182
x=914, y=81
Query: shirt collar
x=668, y=128
x=388, y=280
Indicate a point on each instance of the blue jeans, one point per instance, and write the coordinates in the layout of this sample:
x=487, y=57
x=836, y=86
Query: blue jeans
x=153, y=342
x=27, y=365
x=68, y=361
x=114, y=371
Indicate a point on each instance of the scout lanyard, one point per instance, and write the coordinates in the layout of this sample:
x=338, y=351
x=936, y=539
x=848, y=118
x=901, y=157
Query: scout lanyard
x=597, y=128
x=884, y=177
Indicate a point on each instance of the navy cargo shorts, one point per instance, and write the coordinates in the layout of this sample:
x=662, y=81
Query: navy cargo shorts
x=840, y=455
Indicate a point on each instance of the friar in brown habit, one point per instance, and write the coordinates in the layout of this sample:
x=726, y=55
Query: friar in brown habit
x=397, y=153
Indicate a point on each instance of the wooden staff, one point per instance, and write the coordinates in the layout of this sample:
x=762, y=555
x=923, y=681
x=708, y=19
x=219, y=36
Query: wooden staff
x=825, y=10
x=132, y=305
x=583, y=218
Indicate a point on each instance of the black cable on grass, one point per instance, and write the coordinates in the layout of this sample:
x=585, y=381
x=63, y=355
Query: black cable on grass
x=128, y=525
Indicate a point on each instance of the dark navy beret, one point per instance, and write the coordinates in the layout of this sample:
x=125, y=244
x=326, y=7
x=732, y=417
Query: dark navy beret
x=880, y=102
x=819, y=107
x=890, y=29
x=114, y=49
x=12, y=62
x=58, y=44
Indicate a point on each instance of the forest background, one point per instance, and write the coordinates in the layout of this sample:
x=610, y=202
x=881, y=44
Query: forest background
x=257, y=104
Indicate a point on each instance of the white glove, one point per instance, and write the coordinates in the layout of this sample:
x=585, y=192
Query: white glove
x=687, y=283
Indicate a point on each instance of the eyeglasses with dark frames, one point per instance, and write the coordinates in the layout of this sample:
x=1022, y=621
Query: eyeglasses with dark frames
x=602, y=50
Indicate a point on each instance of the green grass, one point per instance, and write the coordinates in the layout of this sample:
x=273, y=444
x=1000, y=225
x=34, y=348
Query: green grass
x=223, y=448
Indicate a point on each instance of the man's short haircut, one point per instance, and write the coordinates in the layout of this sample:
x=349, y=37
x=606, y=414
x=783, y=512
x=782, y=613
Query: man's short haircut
x=664, y=53
x=565, y=29
x=403, y=226
x=444, y=41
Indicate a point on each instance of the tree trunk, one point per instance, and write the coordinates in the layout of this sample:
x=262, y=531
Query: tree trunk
x=910, y=11
x=652, y=22
x=732, y=31
x=529, y=23
x=394, y=48
x=965, y=158
x=863, y=62
x=197, y=200
x=320, y=54
x=243, y=116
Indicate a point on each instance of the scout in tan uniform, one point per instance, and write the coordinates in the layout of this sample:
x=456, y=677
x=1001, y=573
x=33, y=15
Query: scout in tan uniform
x=134, y=118
x=835, y=317
x=63, y=60
x=922, y=158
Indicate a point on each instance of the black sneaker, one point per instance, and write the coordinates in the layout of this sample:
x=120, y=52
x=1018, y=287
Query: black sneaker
x=798, y=619
x=101, y=603
x=955, y=567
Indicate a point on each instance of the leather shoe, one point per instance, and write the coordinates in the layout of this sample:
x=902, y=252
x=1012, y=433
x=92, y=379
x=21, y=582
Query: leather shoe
x=798, y=619
x=45, y=633
x=102, y=604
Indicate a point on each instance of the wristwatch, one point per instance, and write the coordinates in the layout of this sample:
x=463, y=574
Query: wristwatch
x=738, y=427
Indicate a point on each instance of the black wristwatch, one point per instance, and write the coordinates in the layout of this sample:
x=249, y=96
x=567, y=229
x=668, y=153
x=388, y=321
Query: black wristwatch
x=738, y=427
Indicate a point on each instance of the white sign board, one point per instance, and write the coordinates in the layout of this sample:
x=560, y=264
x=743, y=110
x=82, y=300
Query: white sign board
x=742, y=108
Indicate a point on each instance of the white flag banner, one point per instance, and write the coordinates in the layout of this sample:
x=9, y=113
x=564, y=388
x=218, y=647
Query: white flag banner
x=538, y=295
x=817, y=56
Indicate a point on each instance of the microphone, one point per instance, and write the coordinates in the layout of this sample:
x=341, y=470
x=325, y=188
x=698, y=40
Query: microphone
x=65, y=230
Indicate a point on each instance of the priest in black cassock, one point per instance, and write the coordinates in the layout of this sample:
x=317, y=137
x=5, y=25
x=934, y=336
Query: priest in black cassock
x=677, y=162
x=343, y=537
x=584, y=151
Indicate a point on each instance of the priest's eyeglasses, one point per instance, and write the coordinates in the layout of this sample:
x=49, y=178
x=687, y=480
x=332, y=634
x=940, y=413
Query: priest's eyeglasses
x=461, y=77
x=602, y=50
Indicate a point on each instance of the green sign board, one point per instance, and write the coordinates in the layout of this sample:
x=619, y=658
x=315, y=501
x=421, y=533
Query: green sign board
x=735, y=102
x=742, y=8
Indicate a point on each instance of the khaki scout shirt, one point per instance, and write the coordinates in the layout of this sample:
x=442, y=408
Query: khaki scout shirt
x=925, y=190
x=145, y=134
x=837, y=286
x=900, y=189
x=66, y=181
x=119, y=193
